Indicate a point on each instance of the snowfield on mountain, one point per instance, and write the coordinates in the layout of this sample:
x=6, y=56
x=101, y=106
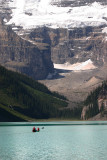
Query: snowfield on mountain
x=35, y=13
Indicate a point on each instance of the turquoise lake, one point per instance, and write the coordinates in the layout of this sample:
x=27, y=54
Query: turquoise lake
x=57, y=141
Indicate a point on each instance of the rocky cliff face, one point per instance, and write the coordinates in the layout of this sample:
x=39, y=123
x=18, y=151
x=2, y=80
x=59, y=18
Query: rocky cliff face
x=76, y=45
x=79, y=45
x=69, y=39
x=101, y=102
x=23, y=56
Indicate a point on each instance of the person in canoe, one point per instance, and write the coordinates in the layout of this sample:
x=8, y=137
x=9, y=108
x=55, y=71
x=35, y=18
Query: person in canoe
x=34, y=129
x=38, y=129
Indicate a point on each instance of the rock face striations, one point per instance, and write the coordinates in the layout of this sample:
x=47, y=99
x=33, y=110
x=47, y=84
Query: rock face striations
x=79, y=45
x=74, y=31
x=76, y=45
x=23, y=56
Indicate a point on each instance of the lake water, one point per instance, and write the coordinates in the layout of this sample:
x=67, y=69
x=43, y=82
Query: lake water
x=57, y=141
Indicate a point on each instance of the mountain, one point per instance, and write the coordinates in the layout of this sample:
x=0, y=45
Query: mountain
x=76, y=31
x=72, y=36
x=18, y=54
x=23, y=99
x=95, y=105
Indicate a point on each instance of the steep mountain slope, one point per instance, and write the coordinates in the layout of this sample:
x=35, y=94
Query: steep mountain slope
x=95, y=106
x=22, y=98
x=21, y=55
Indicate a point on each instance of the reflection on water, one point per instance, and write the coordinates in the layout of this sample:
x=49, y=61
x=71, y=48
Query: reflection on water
x=54, y=142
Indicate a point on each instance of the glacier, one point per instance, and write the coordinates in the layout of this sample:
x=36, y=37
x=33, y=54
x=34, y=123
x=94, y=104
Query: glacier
x=38, y=13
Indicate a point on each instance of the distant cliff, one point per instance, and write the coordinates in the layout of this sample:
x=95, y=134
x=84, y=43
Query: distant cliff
x=75, y=45
x=21, y=55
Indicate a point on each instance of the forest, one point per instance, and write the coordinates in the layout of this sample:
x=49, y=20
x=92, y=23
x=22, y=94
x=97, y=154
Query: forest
x=92, y=100
x=23, y=99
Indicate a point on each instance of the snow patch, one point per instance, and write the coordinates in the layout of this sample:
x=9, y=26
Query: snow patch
x=42, y=12
x=5, y=20
x=14, y=28
x=104, y=30
x=87, y=65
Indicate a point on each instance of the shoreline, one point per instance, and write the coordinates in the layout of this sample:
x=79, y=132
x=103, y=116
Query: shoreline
x=53, y=123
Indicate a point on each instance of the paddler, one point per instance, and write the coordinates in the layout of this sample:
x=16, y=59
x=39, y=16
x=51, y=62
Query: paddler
x=34, y=129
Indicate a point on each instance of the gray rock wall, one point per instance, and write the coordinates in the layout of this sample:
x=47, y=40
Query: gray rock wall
x=75, y=45
x=20, y=55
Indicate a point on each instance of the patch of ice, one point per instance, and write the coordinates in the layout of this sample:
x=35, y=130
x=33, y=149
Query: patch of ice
x=14, y=28
x=87, y=65
x=104, y=30
x=42, y=12
x=88, y=38
x=5, y=20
